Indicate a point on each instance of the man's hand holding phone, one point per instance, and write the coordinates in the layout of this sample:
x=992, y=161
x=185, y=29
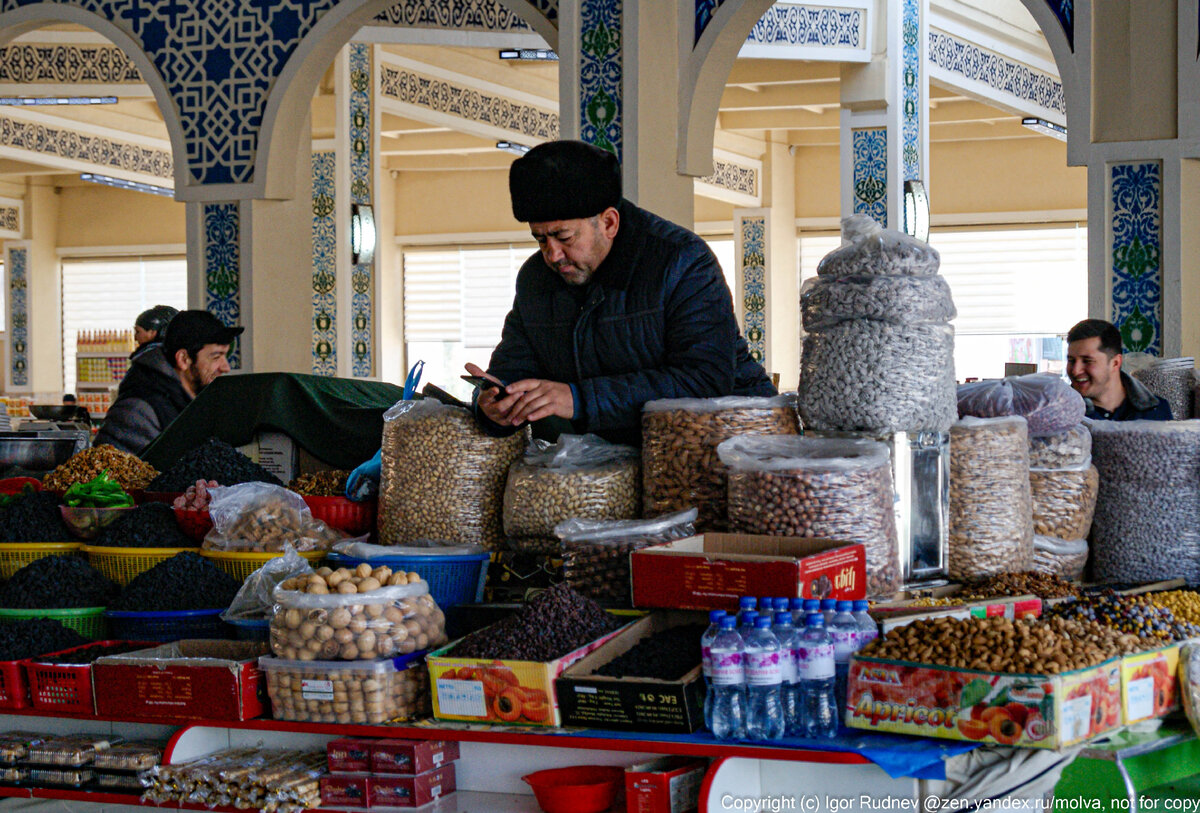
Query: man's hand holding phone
x=529, y=399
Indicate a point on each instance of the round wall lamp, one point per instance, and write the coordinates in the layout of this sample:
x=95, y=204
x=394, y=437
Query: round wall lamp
x=916, y=210
x=362, y=234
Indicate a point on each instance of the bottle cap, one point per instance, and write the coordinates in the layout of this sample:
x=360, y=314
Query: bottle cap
x=845, y=606
x=783, y=618
x=780, y=604
x=812, y=605
x=715, y=616
x=796, y=604
x=766, y=604
x=815, y=620
x=828, y=603
x=728, y=622
x=746, y=602
x=861, y=604
x=763, y=622
x=749, y=617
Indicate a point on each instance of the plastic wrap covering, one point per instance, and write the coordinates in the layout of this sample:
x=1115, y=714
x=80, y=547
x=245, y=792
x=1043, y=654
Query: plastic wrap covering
x=1063, y=450
x=991, y=512
x=14, y=745
x=580, y=476
x=139, y=755
x=379, y=622
x=256, y=598
x=442, y=476
x=817, y=487
x=596, y=552
x=246, y=778
x=878, y=377
x=1060, y=557
x=71, y=750
x=348, y=692
x=872, y=249
x=826, y=301
x=1045, y=401
x=1173, y=379
x=1147, y=521
x=1189, y=682
x=680, y=466
x=1064, y=501
x=264, y=518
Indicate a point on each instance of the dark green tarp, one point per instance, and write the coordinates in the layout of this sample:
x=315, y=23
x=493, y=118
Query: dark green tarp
x=336, y=420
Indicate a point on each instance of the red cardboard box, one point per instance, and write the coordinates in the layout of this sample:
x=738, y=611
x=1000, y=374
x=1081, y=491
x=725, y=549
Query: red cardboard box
x=190, y=679
x=349, y=755
x=664, y=785
x=411, y=791
x=409, y=757
x=349, y=790
x=711, y=571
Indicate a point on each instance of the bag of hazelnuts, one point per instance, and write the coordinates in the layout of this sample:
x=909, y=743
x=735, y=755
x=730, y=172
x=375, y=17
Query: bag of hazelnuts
x=362, y=613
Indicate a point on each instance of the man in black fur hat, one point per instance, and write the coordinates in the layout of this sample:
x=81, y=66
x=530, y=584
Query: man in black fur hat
x=619, y=307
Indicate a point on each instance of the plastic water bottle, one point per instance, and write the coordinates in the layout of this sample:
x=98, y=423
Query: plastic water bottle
x=766, y=606
x=714, y=626
x=790, y=683
x=778, y=605
x=828, y=610
x=815, y=668
x=844, y=634
x=745, y=604
x=868, y=630
x=746, y=623
x=796, y=605
x=728, y=696
x=764, y=678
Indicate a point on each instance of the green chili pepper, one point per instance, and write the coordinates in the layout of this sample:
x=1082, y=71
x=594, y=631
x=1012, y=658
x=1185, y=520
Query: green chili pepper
x=99, y=492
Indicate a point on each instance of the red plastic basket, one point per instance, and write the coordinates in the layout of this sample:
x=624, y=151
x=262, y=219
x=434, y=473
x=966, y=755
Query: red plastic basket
x=155, y=496
x=15, y=485
x=66, y=686
x=14, y=690
x=194, y=523
x=345, y=515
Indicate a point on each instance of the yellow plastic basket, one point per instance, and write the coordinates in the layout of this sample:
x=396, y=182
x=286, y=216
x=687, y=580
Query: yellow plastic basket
x=87, y=621
x=241, y=565
x=15, y=555
x=122, y=564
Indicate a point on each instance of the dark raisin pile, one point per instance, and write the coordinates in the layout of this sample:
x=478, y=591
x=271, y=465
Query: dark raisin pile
x=33, y=517
x=186, y=581
x=36, y=636
x=213, y=460
x=554, y=623
x=151, y=525
x=57, y=582
x=667, y=655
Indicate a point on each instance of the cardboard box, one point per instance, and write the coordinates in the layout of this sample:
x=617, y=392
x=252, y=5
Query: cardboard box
x=664, y=785
x=633, y=704
x=513, y=576
x=275, y=452
x=1150, y=684
x=711, y=571
x=411, y=791
x=349, y=790
x=410, y=757
x=191, y=679
x=349, y=755
x=511, y=692
x=1028, y=711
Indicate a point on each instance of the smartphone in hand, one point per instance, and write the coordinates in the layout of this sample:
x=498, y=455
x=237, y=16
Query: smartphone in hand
x=479, y=382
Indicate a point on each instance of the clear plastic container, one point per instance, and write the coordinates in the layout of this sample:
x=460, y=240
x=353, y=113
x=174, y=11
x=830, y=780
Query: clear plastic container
x=14, y=745
x=365, y=692
x=72, y=750
x=130, y=756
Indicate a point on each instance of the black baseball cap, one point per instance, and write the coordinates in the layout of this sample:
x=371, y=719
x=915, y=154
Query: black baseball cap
x=191, y=330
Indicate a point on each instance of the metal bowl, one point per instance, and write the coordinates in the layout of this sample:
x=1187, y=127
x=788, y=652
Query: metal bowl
x=60, y=412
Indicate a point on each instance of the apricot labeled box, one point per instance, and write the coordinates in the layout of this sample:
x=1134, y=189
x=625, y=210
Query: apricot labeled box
x=482, y=690
x=1027, y=711
x=1150, y=684
x=712, y=571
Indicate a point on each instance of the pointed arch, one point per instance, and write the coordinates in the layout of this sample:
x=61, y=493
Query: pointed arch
x=1073, y=58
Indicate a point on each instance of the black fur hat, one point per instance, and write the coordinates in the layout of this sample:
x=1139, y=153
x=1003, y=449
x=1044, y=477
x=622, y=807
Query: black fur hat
x=563, y=180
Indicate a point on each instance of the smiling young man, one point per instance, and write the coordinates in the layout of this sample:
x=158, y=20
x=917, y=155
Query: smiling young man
x=1094, y=366
x=618, y=307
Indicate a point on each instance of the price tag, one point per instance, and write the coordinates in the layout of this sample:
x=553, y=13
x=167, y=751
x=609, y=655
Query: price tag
x=1140, y=700
x=1077, y=718
x=461, y=698
x=316, y=689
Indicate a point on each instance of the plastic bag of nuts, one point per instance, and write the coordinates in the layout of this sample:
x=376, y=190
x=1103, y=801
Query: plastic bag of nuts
x=368, y=692
x=817, y=487
x=442, y=476
x=1048, y=404
x=261, y=517
x=826, y=301
x=680, y=466
x=580, y=476
x=596, y=552
x=359, y=614
x=1063, y=558
x=873, y=249
x=991, y=512
x=1070, y=448
x=1064, y=500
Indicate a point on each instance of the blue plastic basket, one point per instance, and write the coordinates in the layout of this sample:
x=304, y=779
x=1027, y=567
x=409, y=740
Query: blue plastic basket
x=166, y=626
x=453, y=578
x=251, y=629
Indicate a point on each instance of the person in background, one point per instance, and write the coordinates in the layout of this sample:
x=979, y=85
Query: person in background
x=162, y=381
x=1094, y=366
x=149, y=326
x=619, y=307
x=69, y=399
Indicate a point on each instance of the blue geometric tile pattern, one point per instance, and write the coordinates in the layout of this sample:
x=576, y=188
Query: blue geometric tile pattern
x=48, y=62
x=79, y=145
x=1137, y=254
x=18, y=317
x=996, y=71
x=705, y=9
x=458, y=15
x=324, y=273
x=870, y=173
x=754, y=285
x=362, y=285
x=910, y=153
x=1064, y=10
x=813, y=26
x=600, y=69
x=223, y=269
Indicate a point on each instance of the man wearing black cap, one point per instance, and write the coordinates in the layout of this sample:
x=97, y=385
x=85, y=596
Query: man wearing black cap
x=149, y=327
x=163, y=381
x=619, y=307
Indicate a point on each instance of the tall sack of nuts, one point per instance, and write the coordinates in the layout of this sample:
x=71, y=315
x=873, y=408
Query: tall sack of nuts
x=991, y=511
x=579, y=476
x=817, y=487
x=1064, y=500
x=878, y=354
x=680, y=465
x=1049, y=405
x=442, y=477
x=1147, y=521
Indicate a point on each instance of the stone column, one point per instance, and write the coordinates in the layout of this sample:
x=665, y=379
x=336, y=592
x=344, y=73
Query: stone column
x=43, y=288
